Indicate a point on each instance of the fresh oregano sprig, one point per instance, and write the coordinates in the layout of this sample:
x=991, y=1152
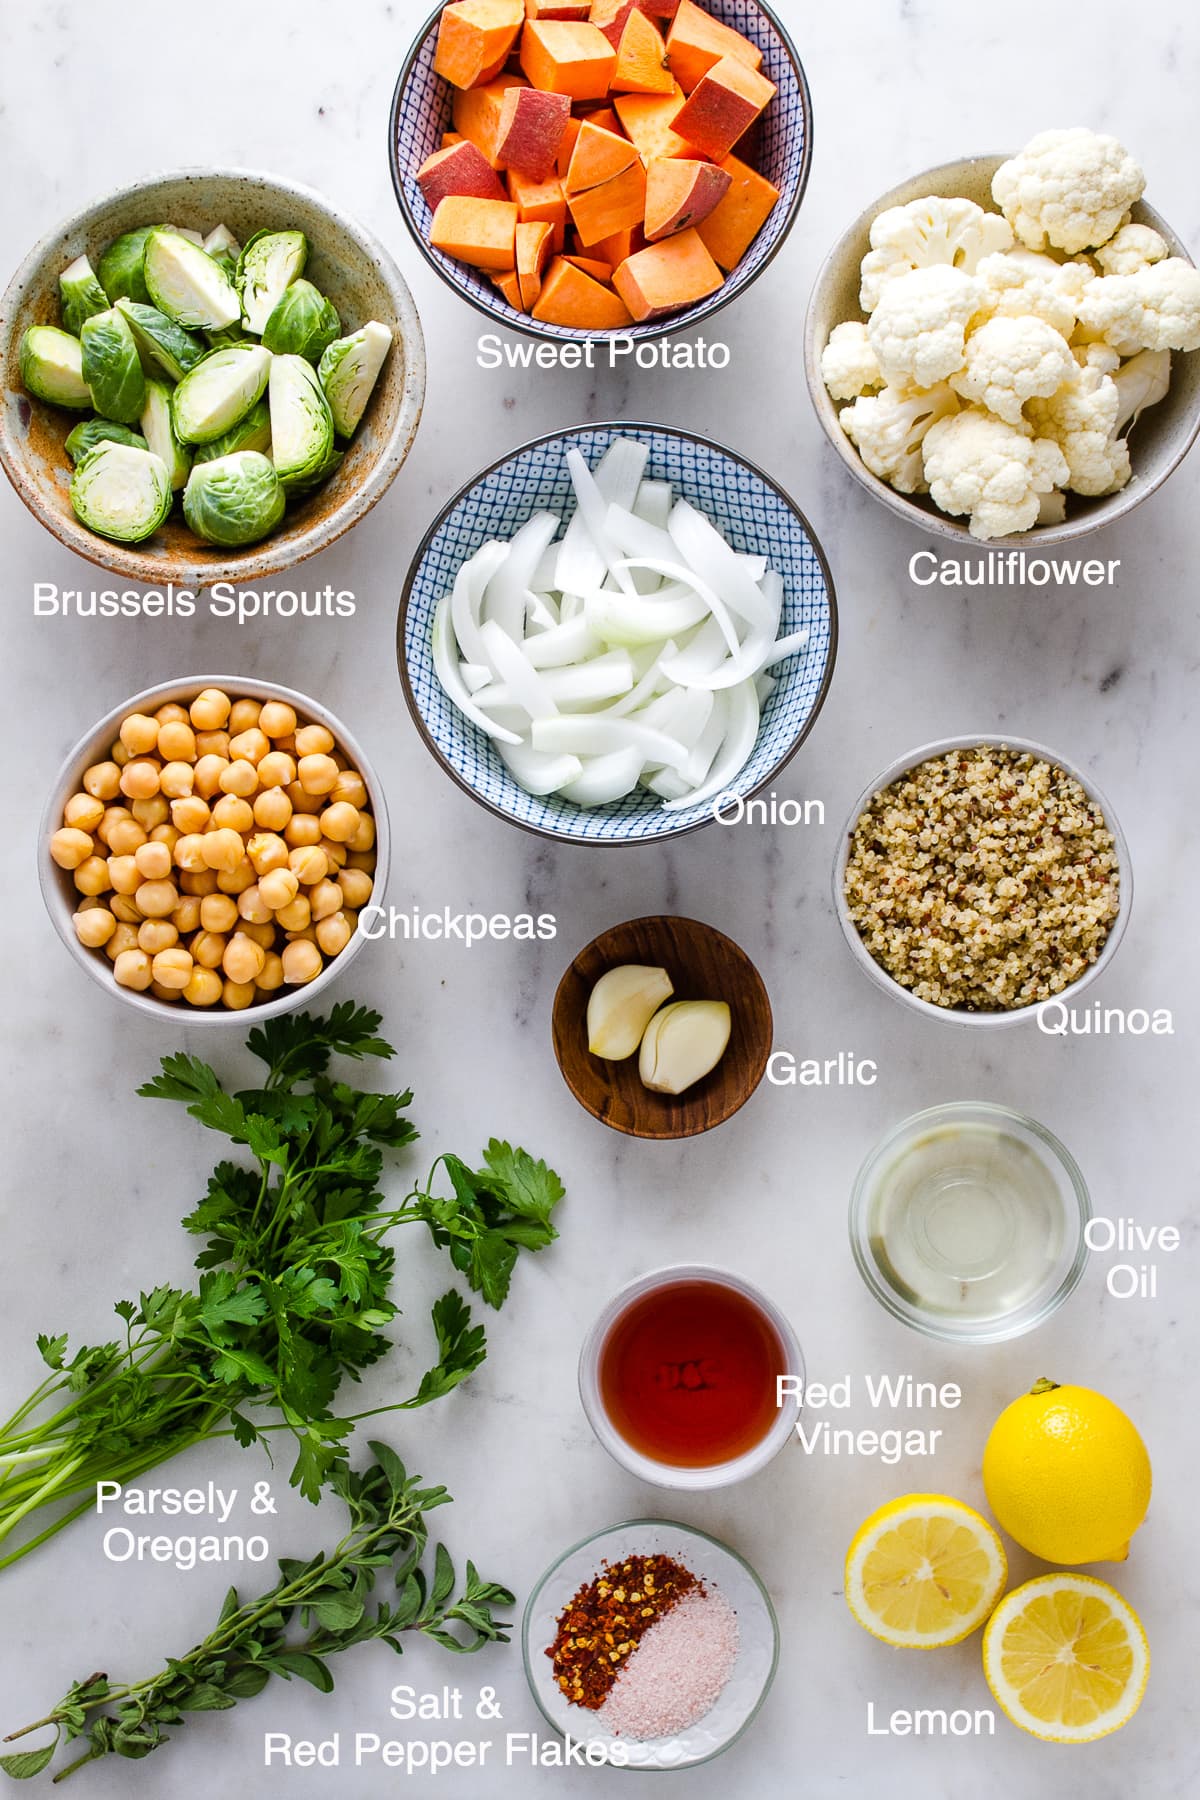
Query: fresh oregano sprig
x=316, y=1609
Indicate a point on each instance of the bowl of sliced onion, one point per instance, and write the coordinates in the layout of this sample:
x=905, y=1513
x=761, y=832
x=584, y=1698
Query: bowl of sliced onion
x=616, y=632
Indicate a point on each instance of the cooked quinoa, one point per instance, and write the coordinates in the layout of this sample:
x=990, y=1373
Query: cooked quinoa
x=984, y=879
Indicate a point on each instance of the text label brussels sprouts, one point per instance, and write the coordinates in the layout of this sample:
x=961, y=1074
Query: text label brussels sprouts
x=187, y=284
x=159, y=427
x=348, y=371
x=52, y=367
x=270, y=261
x=233, y=500
x=303, y=323
x=112, y=367
x=80, y=294
x=219, y=391
x=251, y=433
x=121, y=492
x=82, y=438
x=121, y=271
x=301, y=422
x=165, y=347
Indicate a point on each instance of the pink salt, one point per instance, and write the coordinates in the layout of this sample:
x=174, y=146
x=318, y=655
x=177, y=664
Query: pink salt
x=677, y=1671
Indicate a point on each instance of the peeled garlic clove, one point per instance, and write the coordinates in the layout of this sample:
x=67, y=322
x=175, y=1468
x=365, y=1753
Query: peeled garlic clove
x=682, y=1044
x=622, y=1003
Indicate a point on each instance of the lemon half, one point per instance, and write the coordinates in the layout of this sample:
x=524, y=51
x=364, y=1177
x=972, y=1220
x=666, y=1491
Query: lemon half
x=1066, y=1657
x=924, y=1571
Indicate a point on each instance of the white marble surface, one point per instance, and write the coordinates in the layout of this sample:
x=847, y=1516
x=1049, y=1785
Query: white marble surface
x=95, y=1180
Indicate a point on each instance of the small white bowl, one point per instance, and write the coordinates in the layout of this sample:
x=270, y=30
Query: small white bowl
x=959, y=1015
x=668, y=1475
x=61, y=897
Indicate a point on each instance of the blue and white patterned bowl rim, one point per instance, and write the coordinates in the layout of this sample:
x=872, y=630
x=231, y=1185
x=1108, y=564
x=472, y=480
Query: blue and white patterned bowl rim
x=755, y=514
x=421, y=112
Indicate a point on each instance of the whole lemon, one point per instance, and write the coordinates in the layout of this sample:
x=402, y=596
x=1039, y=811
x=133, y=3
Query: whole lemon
x=1067, y=1475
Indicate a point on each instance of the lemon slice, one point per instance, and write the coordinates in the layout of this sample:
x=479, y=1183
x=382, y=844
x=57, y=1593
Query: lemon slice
x=1067, y=1658
x=924, y=1571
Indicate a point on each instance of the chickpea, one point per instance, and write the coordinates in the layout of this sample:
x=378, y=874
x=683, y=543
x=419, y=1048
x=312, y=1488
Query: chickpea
x=238, y=995
x=190, y=852
x=103, y=780
x=186, y=917
x=171, y=713
x=209, y=710
x=244, y=715
x=302, y=801
x=313, y=740
x=267, y=851
x=333, y=933
x=276, y=770
x=190, y=815
x=166, y=834
x=233, y=814
x=361, y=859
x=139, y=734
x=198, y=881
x=335, y=854
x=206, y=776
x=307, y=933
x=240, y=778
x=243, y=958
x=317, y=774
x=351, y=787
x=203, y=988
x=157, y=899
x=301, y=829
x=278, y=886
x=309, y=864
x=263, y=935
x=270, y=976
x=151, y=812
x=301, y=962
x=91, y=877
x=237, y=880
x=139, y=778
x=153, y=861
x=83, y=812
x=325, y=898
x=277, y=719
x=163, y=993
x=252, y=906
x=218, y=912
x=212, y=743
x=356, y=886
x=155, y=935
x=125, y=836
x=177, y=741
x=120, y=755
x=70, y=848
x=125, y=910
x=296, y=915
x=287, y=743
x=132, y=969
x=208, y=947
x=340, y=822
x=222, y=850
x=94, y=926
x=177, y=779
x=172, y=968
x=123, y=938
x=364, y=835
x=124, y=876
x=253, y=745
x=272, y=809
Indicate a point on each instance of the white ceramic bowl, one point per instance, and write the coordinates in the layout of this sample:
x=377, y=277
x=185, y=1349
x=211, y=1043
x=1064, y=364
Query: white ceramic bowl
x=987, y=1021
x=666, y=1474
x=1158, y=444
x=61, y=897
x=736, y=1706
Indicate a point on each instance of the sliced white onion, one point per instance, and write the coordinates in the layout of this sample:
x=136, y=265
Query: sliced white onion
x=735, y=751
x=605, y=778
x=584, y=734
x=702, y=547
x=514, y=667
x=636, y=619
x=446, y=668
x=469, y=585
x=537, y=772
x=504, y=596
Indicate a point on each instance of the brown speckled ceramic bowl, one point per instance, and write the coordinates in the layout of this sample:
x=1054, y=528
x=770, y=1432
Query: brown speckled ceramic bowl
x=345, y=261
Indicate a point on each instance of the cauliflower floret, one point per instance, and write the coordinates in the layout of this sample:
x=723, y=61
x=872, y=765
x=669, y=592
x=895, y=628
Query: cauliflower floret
x=1024, y=282
x=925, y=234
x=1070, y=189
x=991, y=472
x=1100, y=356
x=1134, y=247
x=1082, y=420
x=1158, y=308
x=918, y=330
x=848, y=365
x=889, y=429
x=1011, y=360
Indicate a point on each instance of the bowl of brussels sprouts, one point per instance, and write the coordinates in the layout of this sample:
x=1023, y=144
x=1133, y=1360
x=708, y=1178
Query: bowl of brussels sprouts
x=207, y=376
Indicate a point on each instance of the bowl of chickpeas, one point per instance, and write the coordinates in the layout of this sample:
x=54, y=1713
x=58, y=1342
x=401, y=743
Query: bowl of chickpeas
x=208, y=847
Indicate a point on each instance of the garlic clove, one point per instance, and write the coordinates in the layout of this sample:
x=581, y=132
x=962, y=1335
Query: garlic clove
x=622, y=1003
x=683, y=1043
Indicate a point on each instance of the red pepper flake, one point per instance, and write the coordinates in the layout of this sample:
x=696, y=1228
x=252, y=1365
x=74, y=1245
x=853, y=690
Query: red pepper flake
x=607, y=1619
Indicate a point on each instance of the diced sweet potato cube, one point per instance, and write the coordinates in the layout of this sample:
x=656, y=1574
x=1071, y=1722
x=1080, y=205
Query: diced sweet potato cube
x=570, y=297
x=565, y=58
x=450, y=138
x=510, y=287
x=619, y=245
x=557, y=9
x=598, y=156
x=591, y=265
x=732, y=227
x=642, y=66
x=664, y=277
x=461, y=169
x=680, y=193
x=647, y=121
x=533, y=253
x=566, y=149
x=611, y=207
x=542, y=200
x=475, y=35
x=605, y=119
x=610, y=17
x=481, y=232
x=696, y=41
x=477, y=112
x=530, y=131
x=722, y=106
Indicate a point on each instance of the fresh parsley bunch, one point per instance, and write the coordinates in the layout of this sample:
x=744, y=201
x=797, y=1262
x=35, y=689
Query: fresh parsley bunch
x=295, y=1289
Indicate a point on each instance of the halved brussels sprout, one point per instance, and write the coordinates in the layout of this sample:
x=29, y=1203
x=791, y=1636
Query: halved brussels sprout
x=121, y=271
x=301, y=422
x=187, y=284
x=112, y=367
x=251, y=433
x=270, y=262
x=224, y=248
x=233, y=500
x=51, y=364
x=186, y=231
x=303, y=323
x=81, y=294
x=349, y=370
x=164, y=347
x=82, y=439
x=219, y=391
x=121, y=492
x=159, y=427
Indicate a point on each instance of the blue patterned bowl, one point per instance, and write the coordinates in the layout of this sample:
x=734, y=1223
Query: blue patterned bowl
x=745, y=504
x=421, y=113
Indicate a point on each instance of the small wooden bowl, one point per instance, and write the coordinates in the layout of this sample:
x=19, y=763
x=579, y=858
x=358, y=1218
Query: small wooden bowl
x=703, y=965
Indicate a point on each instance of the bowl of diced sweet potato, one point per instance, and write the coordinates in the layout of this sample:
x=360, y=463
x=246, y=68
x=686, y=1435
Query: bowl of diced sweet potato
x=576, y=167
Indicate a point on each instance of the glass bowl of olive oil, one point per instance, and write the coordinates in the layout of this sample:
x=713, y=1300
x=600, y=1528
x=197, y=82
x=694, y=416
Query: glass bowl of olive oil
x=967, y=1222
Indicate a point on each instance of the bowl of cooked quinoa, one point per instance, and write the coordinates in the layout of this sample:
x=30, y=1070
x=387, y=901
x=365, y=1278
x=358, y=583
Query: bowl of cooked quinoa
x=979, y=878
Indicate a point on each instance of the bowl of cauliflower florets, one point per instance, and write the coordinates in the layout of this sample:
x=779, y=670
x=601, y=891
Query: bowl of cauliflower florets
x=1005, y=347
